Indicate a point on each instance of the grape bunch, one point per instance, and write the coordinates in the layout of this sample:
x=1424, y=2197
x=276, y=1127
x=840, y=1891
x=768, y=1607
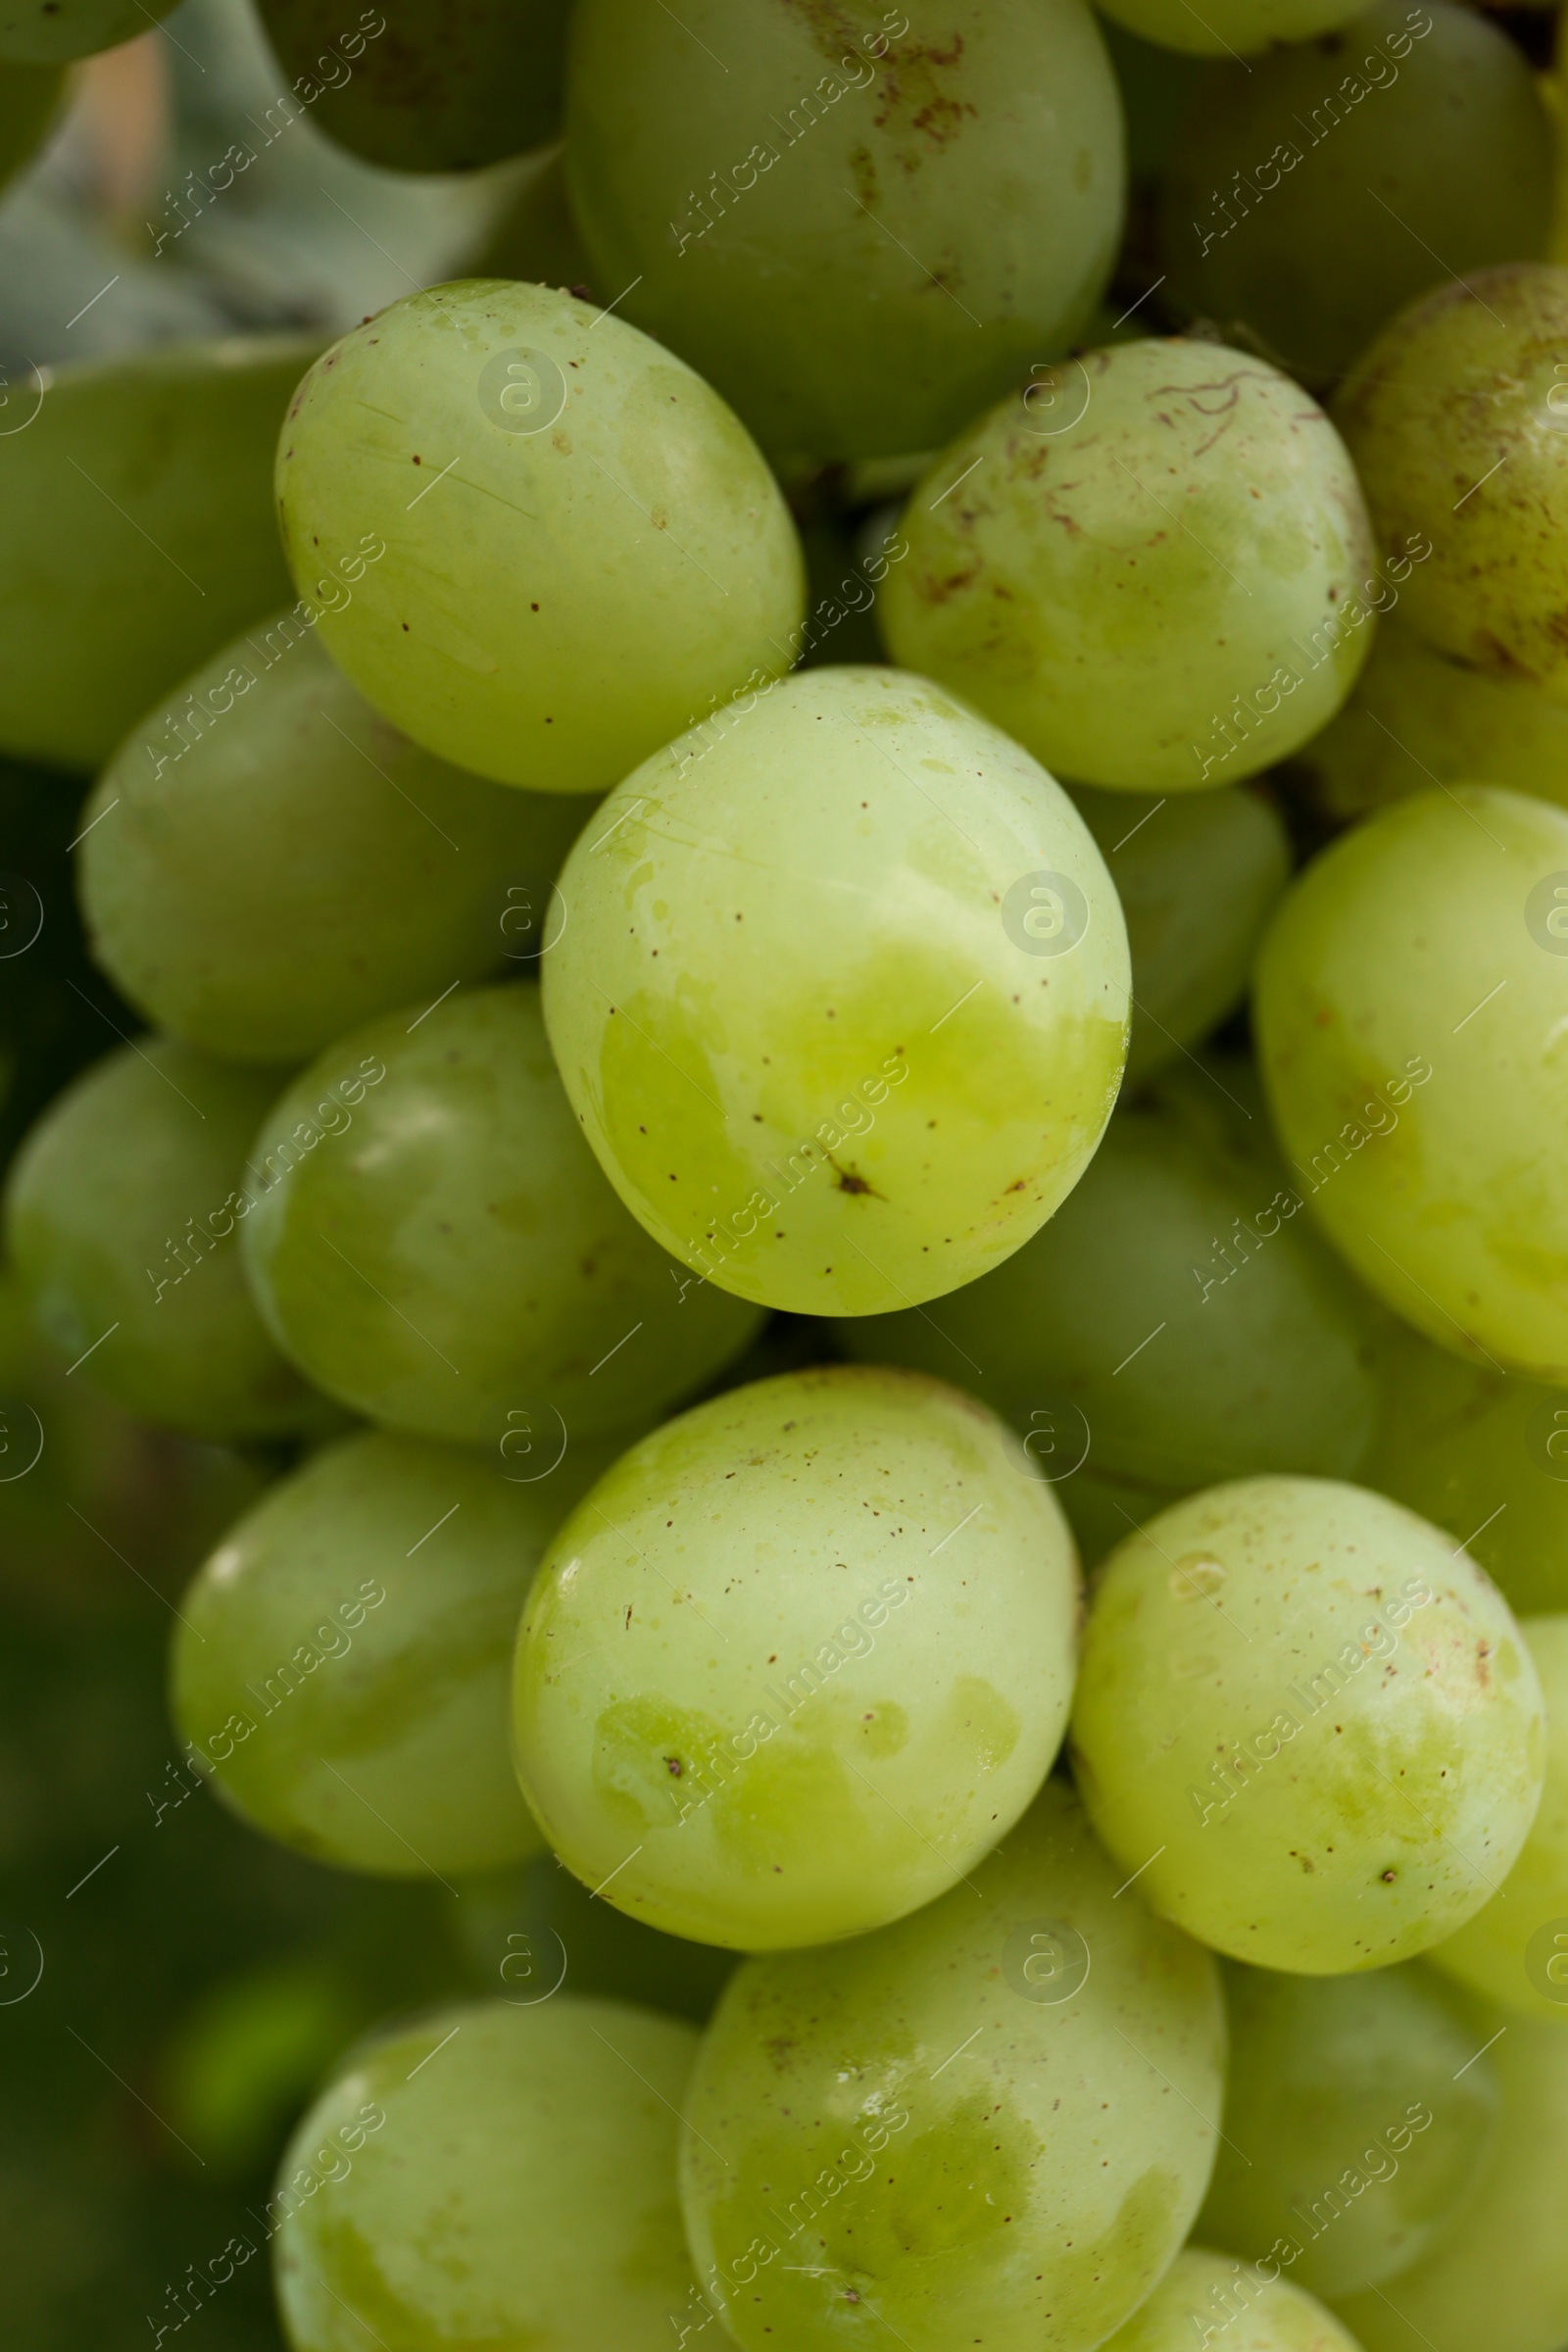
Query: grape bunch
x=945, y=1521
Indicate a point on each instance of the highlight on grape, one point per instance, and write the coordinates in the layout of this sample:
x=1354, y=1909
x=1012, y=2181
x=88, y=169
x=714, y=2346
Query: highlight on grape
x=784, y=1175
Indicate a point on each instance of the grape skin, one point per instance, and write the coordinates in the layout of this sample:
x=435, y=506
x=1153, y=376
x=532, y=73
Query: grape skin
x=797, y=1660
x=1231, y=26
x=1170, y=508
x=49, y=32
x=295, y=866
x=445, y=1256
x=812, y=1041
x=518, y=2188
x=558, y=597
x=1276, y=1602
x=960, y=2159
x=1252, y=2310
x=1406, y=1008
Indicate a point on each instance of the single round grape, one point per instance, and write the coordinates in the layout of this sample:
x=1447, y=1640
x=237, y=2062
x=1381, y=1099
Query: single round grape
x=1498, y=2276
x=443, y=86
x=1178, y=1321
x=52, y=33
x=1457, y=419
x=458, y=1267
x=139, y=532
x=536, y=237
x=492, y=2175
x=1169, y=509
x=284, y=863
x=1408, y=1008
x=583, y=547
x=342, y=1662
x=1207, y=2298
x=962, y=2129
x=1230, y=26
x=29, y=100
x=120, y=1211
x=859, y=229
x=1515, y=1949
x=1359, y=2121
x=1309, y=1722
x=1251, y=208
x=799, y=1660
x=889, y=1014
x=1418, y=719
x=1484, y=1455
x=1197, y=879
x=523, y=1927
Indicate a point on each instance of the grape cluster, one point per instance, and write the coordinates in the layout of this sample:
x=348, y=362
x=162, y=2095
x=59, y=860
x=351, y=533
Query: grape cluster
x=850, y=892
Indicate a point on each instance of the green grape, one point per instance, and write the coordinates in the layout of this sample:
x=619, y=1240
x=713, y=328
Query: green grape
x=962, y=2127
x=1250, y=209
x=1499, y=2276
x=1230, y=26
x=30, y=99
x=1457, y=419
x=1481, y=1454
x=139, y=533
x=1197, y=879
x=590, y=552
x=492, y=2177
x=1515, y=1949
x=1176, y=1323
x=1242, y=1623
x=458, y=1267
x=536, y=237
x=1204, y=2299
x=858, y=285
x=1172, y=511
x=1417, y=719
x=1407, y=1008
x=248, y=2054
x=1357, y=2122
x=369, y=1604
x=719, y=1737
x=120, y=1215
x=51, y=32
x=426, y=86
x=272, y=863
x=892, y=981
x=529, y=1928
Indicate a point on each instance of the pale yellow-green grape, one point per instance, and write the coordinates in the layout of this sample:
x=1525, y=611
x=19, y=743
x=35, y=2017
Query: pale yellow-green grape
x=1166, y=512
x=492, y=2177
x=991, y=2122
x=1347, y=144
x=341, y=1663
x=1197, y=879
x=522, y=1927
x=440, y=1252
x=1515, y=1949
x=581, y=547
x=1207, y=2298
x=536, y=236
x=51, y=32
x=1234, y=27
x=270, y=862
x=1417, y=719
x=425, y=85
x=121, y=1210
x=1359, y=2121
x=1457, y=419
x=1498, y=2276
x=1483, y=1454
x=1178, y=1321
x=29, y=96
x=799, y=1659
x=841, y=998
x=1309, y=1722
x=1408, y=1009
x=861, y=227
x=139, y=531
